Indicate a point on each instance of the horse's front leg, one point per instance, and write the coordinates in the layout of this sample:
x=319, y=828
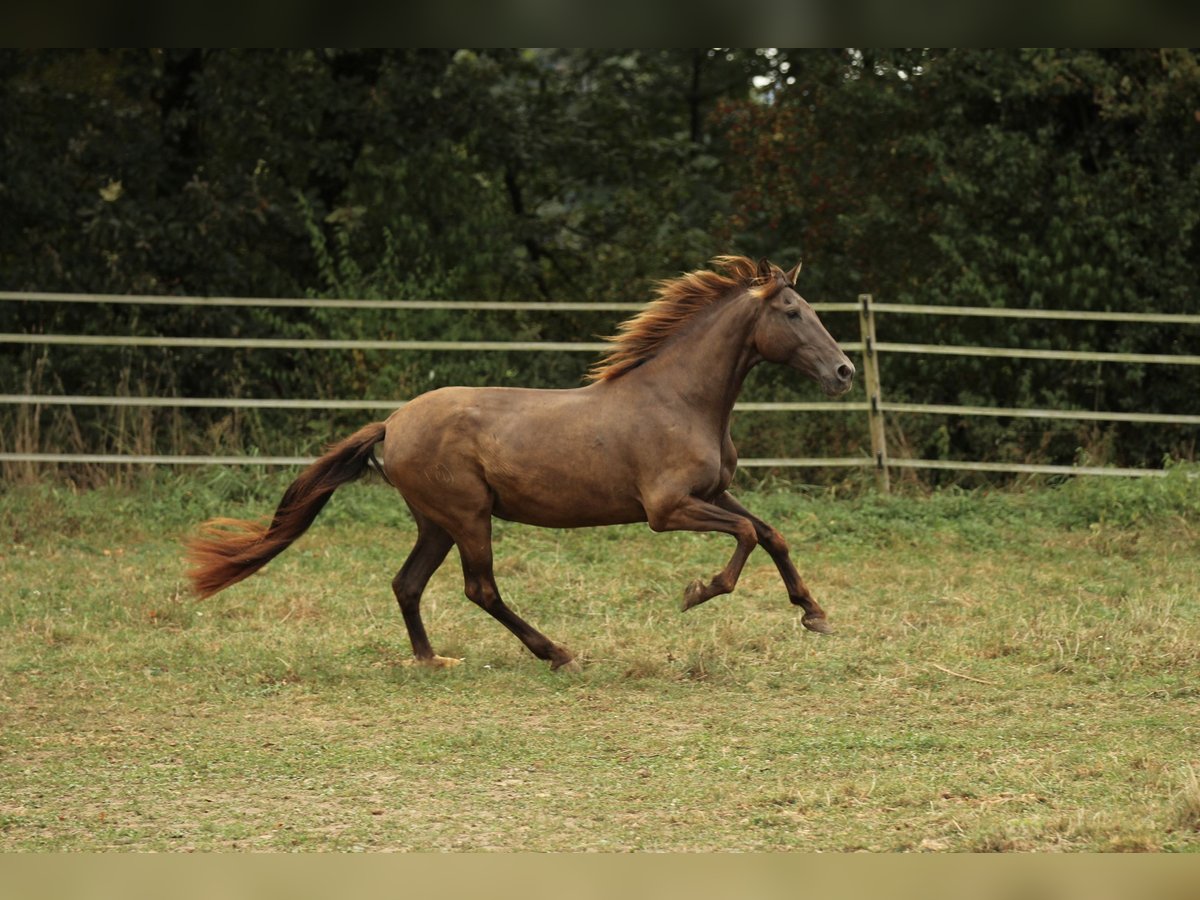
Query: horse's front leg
x=692, y=514
x=772, y=541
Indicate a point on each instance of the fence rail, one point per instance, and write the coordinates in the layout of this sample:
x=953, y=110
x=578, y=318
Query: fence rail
x=333, y=303
x=125, y=340
x=270, y=403
x=1008, y=312
x=869, y=346
x=1022, y=353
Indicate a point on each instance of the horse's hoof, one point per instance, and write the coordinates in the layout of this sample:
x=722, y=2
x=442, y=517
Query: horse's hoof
x=434, y=662
x=818, y=624
x=570, y=665
x=693, y=595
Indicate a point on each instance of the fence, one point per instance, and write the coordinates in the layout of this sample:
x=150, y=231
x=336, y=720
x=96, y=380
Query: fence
x=870, y=347
x=878, y=407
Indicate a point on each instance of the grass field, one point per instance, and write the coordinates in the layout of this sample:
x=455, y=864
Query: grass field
x=1012, y=670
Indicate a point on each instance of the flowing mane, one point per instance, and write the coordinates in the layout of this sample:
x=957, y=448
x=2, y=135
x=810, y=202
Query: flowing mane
x=678, y=299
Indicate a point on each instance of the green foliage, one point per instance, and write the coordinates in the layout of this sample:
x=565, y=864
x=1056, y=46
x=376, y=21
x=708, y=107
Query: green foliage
x=1125, y=503
x=364, y=174
x=514, y=174
x=1031, y=178
x=1040, y=179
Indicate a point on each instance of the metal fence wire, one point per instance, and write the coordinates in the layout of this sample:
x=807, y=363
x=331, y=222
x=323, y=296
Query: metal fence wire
x=876, y=407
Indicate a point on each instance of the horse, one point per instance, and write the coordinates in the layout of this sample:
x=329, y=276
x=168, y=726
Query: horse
x=645, y=439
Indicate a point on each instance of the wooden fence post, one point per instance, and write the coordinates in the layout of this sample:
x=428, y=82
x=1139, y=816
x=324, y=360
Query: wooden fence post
x=866, y=323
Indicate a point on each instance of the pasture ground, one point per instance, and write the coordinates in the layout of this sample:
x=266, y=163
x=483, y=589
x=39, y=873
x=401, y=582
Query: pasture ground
x=1012, y=670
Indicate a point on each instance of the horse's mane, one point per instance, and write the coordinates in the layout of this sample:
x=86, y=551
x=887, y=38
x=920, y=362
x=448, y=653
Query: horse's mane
x=677, y=301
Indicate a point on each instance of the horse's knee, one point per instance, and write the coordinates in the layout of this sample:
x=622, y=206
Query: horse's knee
x=746, y=533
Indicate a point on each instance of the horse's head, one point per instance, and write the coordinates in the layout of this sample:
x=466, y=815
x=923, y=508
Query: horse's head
x=789, y=332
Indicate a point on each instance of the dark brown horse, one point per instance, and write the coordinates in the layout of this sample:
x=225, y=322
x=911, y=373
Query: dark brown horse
x=647, y=440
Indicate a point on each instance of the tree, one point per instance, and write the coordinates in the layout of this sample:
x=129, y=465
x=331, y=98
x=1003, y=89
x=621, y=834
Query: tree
x=1052, y=179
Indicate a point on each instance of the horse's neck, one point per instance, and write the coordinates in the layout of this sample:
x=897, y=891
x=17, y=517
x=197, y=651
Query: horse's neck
x=706, y=363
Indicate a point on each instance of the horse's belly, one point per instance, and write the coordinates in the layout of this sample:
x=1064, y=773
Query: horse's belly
x=564, y=503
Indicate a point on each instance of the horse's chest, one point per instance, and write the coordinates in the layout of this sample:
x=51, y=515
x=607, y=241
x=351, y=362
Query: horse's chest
x=712, y=472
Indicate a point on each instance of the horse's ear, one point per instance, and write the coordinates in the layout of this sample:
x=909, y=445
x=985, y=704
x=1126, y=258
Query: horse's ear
x=795, y=273
x=764, y=268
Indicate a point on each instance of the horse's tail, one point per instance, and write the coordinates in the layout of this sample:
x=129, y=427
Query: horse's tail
x=228, y=550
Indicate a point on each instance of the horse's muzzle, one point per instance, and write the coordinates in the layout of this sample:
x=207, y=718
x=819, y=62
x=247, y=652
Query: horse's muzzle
x=840, y=381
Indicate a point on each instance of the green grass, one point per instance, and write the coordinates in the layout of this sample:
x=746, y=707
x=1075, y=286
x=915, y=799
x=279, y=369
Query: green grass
x=1012, y=670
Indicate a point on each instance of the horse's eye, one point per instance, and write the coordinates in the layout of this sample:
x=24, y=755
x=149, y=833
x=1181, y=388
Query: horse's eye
x=793, y=313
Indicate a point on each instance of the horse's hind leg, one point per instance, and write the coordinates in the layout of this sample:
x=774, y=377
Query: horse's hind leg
x=772, y=541
x=475, y=548
x=433, y=543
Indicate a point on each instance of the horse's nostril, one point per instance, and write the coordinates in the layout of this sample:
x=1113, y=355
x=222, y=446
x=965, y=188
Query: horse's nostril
x=845, y=372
